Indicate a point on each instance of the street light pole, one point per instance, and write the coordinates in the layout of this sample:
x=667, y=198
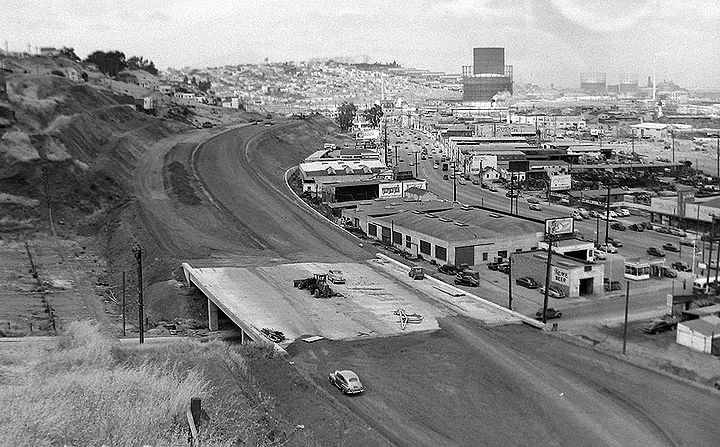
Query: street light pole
x=607, y=217
x=454, y=183
x=627, y=300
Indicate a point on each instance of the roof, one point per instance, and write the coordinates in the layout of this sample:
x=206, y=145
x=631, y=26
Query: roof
x=654, y=126
x=462, y=223
x=357, y=166
x=704, y=327
x=417, y=191
x=702, y=311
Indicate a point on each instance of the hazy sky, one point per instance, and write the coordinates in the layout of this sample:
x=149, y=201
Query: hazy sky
x=547, y=41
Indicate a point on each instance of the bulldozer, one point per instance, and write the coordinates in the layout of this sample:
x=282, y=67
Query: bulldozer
x=317, y=285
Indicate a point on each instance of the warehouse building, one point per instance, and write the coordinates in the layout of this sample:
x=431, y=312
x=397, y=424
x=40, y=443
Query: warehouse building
x=445, y=232
x=700, y=334
x=572, y=276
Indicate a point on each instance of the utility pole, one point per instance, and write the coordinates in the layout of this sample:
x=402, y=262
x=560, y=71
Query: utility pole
x=385, y=135
x=123, y=301
x=141, y=316
x=597, y=231
x=454, y=183
x=607, y=216
x=416, y=165
x=549, y=239
x=510, y=299
x=672, y=133
x=627, y=300
x=709, y=261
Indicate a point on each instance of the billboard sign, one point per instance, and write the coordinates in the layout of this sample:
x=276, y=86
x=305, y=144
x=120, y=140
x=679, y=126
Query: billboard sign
x=518, y=166
x=559, y=226
x=367, y=134
x=560, y=182
x=390, y=190
x=559, y=275
x=420, y=184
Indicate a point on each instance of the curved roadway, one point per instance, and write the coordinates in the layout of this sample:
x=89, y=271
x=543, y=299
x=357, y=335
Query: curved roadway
x=464, y=385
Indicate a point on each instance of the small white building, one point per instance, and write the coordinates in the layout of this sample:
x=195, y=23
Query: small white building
x=656, y=131
x=700, y=334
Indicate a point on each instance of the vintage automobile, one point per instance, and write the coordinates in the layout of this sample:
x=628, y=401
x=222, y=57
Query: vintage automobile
x=346, y=381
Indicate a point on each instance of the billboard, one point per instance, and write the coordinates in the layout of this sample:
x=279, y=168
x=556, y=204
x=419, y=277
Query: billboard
x=559, y=226
x=518, y=166
x=560, y=182
x=367, y=134
x=387, y=190
x=420, y=184
x=559, y=275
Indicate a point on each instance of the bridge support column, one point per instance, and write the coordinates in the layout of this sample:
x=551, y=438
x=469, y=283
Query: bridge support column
x=212, y=315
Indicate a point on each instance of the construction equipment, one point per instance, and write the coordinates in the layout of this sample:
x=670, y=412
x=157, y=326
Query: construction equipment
x=317, y=285
x=274, y=335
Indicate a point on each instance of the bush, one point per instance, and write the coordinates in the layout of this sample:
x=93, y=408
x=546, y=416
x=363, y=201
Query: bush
x=80, y=394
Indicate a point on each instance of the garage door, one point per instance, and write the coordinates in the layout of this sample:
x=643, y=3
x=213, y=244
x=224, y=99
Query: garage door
x=385, y=235
x=465, y=255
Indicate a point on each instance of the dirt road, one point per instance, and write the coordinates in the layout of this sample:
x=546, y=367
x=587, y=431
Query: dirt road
x=464, y=385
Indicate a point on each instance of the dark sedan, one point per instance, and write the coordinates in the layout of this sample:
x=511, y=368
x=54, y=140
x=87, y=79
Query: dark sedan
x=652, y=251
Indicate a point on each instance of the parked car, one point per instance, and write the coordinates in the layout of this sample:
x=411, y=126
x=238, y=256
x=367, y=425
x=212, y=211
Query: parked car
x=504, y=268
x=600, y=254
x=657, y=326
x=669, y=273
x=535, y=207
x=475, y=181
x=653, y=251
x=577, y=216
x=549, y=313
x=466, y=280
x=623, y=212
x=611, y=285
x=446, y=177
x=532, y=200
x=681, y=266
x=346, y=381
x=618, y=226
x=553, y=292
x=492, y=188
x=670, y=247
x=616, y=243
x=608, y=248
x=647, y=225
x=336, y=276
x=636, y=227
x=688, y=241
x=677, y=232
x=512, y=194
x=528, y=282
x=416, y=273
x=449, y=269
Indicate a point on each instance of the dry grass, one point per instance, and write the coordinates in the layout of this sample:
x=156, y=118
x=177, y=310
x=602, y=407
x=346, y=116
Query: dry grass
x=82, y=394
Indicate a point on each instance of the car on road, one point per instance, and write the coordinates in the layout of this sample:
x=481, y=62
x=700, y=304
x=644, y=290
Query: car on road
x=532, y=200
x=577, y=216
x=654, y=251
x=594, y=214
x=622, y=212
x=491, y=188
x=446, y=177
x=553, y=292
x=681, y=266
x=336, y=276
x=636, y=227
x=677, y=232
x=528, y=282
x=616, y=243
x=512, y=194
x=667, y=273
x=346, y=381
x=535, y=207
x=549, y=313
x=416, y=273
x=449, y=269
x=670, y=247
x=618, y=226
x=647, y=225
x=657, y=326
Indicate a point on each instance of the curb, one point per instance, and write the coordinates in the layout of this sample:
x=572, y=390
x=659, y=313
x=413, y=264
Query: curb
x=497, y=307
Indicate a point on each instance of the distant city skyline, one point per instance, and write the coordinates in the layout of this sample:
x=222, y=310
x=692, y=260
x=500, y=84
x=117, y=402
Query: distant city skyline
x=547, y=41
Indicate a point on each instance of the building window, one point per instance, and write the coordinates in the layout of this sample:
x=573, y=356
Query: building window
x=502, y=254
x=425, y=247
x=372, y=229
x=397, y=238
x=408, y=242
x=485, y=256
x=441, y=253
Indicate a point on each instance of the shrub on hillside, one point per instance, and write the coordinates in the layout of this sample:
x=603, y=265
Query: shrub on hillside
x=80, y=394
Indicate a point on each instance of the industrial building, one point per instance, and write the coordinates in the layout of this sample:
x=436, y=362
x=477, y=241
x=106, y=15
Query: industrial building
x=657, y=131
x=593, y=84
x=488, y=77
x=445, y=232
x=572, y=276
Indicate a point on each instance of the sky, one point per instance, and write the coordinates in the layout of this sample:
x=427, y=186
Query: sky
x=547, y=41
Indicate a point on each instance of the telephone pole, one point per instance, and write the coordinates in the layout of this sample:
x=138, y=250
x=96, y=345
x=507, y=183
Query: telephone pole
x=549, y=239
x=607, y=217
x=627, y=300
x=138, y=251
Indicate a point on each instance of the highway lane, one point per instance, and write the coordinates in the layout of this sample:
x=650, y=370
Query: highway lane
x=466, y=385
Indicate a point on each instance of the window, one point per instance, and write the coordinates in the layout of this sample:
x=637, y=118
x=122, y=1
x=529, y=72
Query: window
x=441, y=252
x=485, y=256
x=372, y=229
x=408, y=242
x=397, y=238
x=424, y=247
x=502, y=253
x=588, y=268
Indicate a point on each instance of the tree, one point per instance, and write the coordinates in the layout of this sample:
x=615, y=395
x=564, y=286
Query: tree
x=140, y=63
x=373, y=115
x=346, y=115
x=204, y=86
x=69, y=53
x=111, y=63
